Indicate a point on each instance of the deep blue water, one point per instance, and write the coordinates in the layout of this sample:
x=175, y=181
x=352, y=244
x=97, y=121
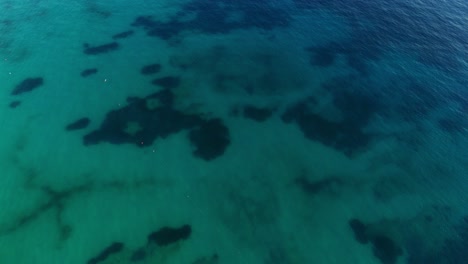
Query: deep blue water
x=234, y=131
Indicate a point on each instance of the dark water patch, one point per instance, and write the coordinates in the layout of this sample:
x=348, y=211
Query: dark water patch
x=28, y=85
x=357, y=101
x=277, y=254
x=359, y=230
x=322, y=56
x=387, y=188
x=308, y=4
x=163, y=98
x=123, y=35
x=417, y=100
x=168, y=82
x=358, y=51
x=105, y=48
x=94, y=8
x=411, y=26
x=78, y=124
x=216, y=17
x=213, y=259
x=258, y=114
x=261, y=14
x=345, y=136
x=384, y=248
x=141, y=122
x=5, y=45
x=151, y=69
x=169, y=235
x=453, y=124
x=132, y=99
x=358, y=63
x=167, y=30
x=319, y=186
x=144, y=120
x=210, y=139
x=146, y=22
x=114, y=248
x=55, y=200
x=452, y=251
x=138, y=255
x=6, y=22
x=462, y=100
x=88, y=72
x=14, y=104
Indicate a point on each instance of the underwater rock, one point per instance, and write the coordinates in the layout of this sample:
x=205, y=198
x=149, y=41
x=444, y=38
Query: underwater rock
x=210, y=139
x=114, y=248
x=144, y=120
x=124, y=34
x=28, y=85
x=151, y=69
x=155, y=122
x=360, y=231
x=257, y=113
x=14, y=104
x=105, y=48
x=343, y=136
x=78, y=124
x=383, y=247
x=88, y=72
x=169, y=235
x=167, y=82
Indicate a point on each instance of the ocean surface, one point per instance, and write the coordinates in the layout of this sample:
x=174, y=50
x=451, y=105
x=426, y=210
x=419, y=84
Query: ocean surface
x=233, y=132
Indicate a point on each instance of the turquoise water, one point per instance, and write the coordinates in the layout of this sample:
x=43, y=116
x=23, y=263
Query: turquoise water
x=202, y=132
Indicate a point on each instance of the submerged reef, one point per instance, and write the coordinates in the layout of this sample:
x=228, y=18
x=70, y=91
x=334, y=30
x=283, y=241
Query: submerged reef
x=14, y=104
x=124, y=34
x=151, y=69
x=345, y=136
x=78, y=124
x=88, y=72
x=213, y=17
x=104, y=48
x=384, y=247
x=169, y=235
x=27, y=85
x=114, y=248
x=144, y=120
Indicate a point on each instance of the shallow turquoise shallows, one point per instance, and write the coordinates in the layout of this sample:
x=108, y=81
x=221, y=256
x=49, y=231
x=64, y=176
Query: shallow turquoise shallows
x=233, y=132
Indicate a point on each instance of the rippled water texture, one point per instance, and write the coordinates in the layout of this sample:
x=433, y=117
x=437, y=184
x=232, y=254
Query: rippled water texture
x=227, y=132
